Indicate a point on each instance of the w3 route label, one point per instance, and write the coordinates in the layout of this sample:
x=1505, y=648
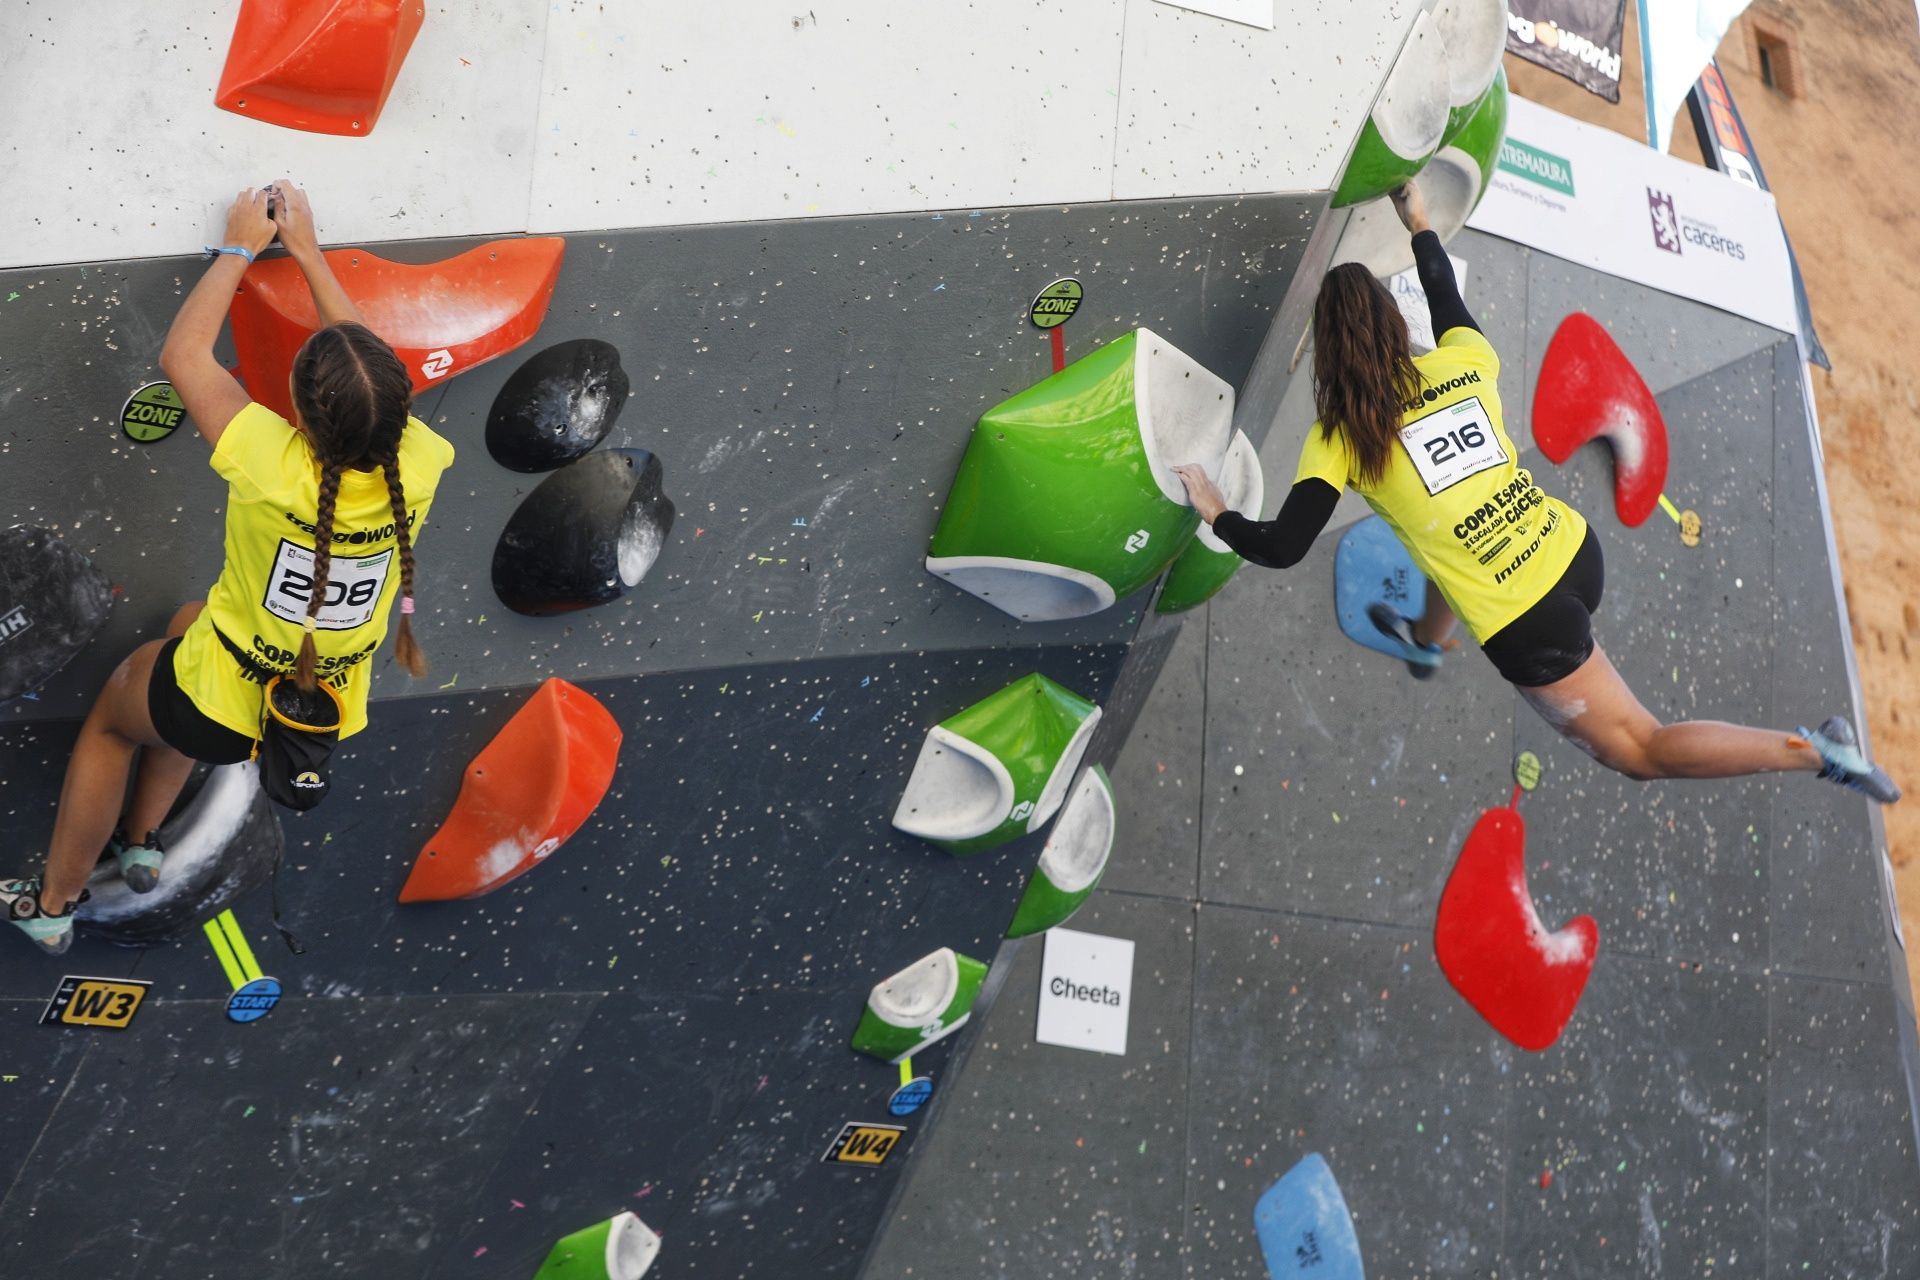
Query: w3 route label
x=353, y=587
x=95, y=1002
x=1453, y=443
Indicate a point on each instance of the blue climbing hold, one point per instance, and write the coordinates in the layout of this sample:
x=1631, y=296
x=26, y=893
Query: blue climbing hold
x=1371, y=567
x=1304, y=1227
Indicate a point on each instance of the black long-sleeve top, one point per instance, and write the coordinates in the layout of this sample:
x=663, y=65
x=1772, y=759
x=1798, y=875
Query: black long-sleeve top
x=1282, y=542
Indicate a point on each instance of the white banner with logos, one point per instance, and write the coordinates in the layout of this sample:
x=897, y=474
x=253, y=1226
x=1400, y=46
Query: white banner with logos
x=1086, y=986
x=1593, y=197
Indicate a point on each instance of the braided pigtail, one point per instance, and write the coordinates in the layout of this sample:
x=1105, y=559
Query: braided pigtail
x=406, y=651
x=322, y=565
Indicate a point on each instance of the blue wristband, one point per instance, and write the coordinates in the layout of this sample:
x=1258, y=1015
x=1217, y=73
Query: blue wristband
x=233, y=249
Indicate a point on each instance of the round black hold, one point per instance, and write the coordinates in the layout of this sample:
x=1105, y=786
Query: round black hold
x=585, y=535
x=53, y=602
x=557, y=406
x=221, y=842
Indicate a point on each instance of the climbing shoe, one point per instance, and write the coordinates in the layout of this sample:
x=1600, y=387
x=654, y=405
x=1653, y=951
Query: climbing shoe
x=139, y=863
x=1422, y=659
x=20, y=899
x=1843, y=761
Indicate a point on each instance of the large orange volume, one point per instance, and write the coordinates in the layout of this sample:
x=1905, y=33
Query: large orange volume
x=441, y=318
x=530, y=789
x=325, y=66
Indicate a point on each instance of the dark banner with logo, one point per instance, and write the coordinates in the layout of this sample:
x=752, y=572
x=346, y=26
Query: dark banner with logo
x=1580, y=39
x=1728, y=147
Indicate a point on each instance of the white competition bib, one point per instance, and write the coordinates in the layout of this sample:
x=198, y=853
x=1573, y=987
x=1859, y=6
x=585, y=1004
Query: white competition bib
x=1453, y=443
x=353, y=587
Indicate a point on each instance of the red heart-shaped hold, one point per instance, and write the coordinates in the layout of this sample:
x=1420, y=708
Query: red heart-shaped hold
x=1521, y=978
x=1588, y=389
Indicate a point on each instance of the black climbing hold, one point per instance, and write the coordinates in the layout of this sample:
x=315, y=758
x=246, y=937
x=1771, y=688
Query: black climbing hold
x=222, y=840
x=53, y=602
x=586, y=535
x=557, y=406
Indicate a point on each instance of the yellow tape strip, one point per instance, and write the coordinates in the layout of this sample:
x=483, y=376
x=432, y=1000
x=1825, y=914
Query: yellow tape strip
x=242, y=949
x=906, y=1071
x=1669, y=508
x=224, y=953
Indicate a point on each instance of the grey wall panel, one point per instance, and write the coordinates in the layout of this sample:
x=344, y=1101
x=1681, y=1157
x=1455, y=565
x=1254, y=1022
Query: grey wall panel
x=810, y=387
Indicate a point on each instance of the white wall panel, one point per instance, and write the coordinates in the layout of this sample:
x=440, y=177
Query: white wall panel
x=113, y=148
x=1213, y=106
x=662, y=111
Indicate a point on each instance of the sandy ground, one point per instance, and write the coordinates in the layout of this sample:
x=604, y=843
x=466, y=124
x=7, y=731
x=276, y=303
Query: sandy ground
x=1835, y=158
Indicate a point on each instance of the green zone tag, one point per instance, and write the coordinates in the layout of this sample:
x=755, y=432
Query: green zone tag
x=1526, y=770
x=95, y=1002
x=1055, y=304
x=863, y=1144
x=152, y=412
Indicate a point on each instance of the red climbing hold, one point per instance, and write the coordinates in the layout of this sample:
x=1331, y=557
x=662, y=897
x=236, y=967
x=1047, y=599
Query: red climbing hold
x=325, y=66
x=1491, y=945
x=1588, y=389
x=525, y=793
x=442, y=318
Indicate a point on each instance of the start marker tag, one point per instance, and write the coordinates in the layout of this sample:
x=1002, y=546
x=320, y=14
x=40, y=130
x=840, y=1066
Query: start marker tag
x=152, y=413
x=1056, y=304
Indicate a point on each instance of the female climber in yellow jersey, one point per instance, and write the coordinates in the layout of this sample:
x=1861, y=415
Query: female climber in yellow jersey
x=322, y=516
x=1421, y=438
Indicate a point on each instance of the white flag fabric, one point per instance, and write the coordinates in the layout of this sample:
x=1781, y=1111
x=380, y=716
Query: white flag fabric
x=1677, y=40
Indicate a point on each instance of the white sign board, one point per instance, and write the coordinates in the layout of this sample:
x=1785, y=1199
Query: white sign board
x=1086, y=987
x=1413, y=303
x=1254, y=13
x=1593, y=197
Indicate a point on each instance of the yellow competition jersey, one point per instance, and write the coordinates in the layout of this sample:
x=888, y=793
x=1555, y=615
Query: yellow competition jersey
x=260, y=601
x=1473, y=520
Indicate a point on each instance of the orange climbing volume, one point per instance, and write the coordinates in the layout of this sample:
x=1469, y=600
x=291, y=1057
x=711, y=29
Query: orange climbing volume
x=325, y=66
x=441, y=318
x=530, y=789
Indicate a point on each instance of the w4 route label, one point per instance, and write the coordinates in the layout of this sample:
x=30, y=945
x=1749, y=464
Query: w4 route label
x=95, y=1002
x=863, y=1144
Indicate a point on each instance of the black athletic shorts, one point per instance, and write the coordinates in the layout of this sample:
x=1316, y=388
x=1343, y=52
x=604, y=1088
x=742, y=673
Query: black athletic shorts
x=185, y=727
x=1549, y=641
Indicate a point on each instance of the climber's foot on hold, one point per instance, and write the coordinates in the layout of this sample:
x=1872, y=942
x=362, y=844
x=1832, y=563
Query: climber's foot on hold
x=1422, y=659
x=1843, y=761
x=20, y=899
x=139, y=863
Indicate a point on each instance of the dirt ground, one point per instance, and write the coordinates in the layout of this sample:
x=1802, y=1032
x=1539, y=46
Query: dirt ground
x=1835, y=157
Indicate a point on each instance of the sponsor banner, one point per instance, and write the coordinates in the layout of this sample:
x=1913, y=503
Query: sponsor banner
x=1086, y=986
x=1590, y=196
x=1580, y=39
x=1728, y=147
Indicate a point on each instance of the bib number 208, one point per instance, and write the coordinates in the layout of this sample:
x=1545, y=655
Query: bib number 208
x=352, y=593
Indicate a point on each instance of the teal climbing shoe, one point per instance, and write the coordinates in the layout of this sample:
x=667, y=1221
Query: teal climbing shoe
x=1422, y=659
x=1843, y=762
x=20, y=899
x=139, y=863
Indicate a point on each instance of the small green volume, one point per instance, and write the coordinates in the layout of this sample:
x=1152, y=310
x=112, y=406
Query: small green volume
x=1526, y=770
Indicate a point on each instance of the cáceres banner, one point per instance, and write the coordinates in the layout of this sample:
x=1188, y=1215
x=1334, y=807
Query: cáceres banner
x=1580, y=39
x=1594, y=197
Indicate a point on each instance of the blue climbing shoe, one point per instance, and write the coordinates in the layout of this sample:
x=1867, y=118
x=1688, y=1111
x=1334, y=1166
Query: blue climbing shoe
x=20, y=899
x=139, y=863
x=1422, y=659
x=1843, y=761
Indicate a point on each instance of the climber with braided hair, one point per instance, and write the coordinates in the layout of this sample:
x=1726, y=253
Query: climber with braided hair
x=322, y=516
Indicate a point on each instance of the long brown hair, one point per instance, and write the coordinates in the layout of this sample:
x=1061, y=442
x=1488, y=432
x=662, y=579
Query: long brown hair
x=1363, y=370
x=353, y=396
